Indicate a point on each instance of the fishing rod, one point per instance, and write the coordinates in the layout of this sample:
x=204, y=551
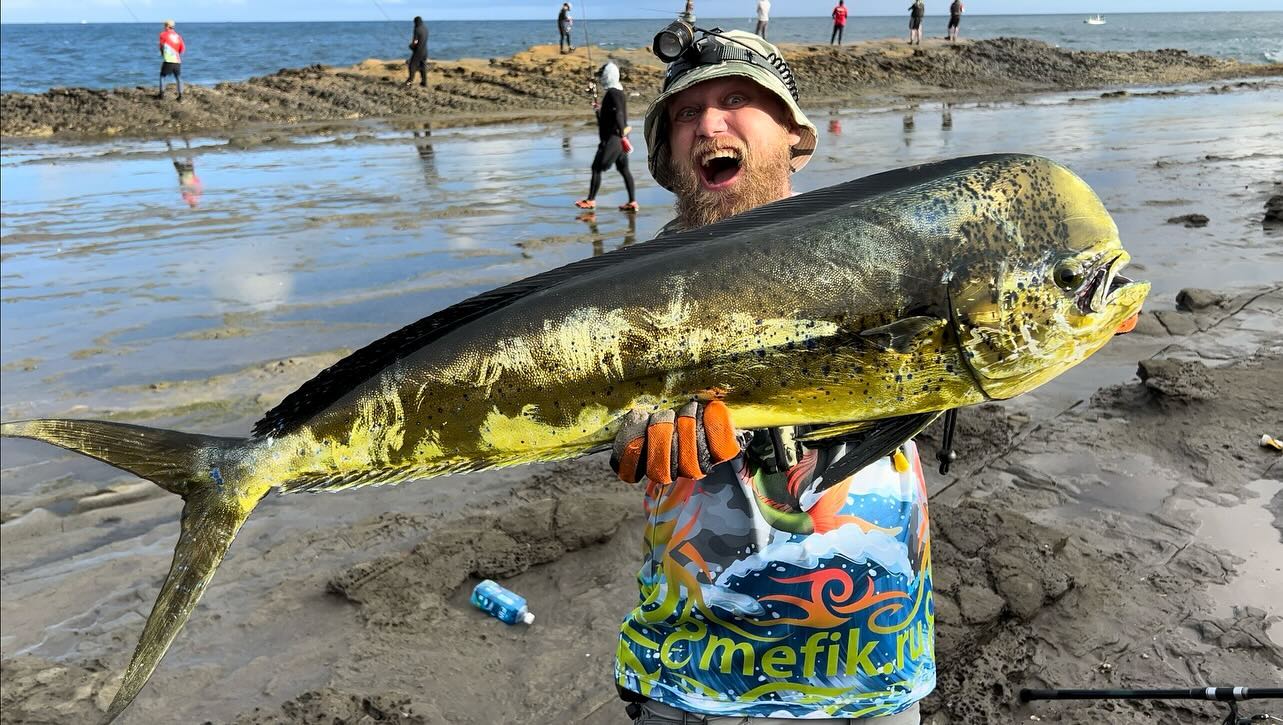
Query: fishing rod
x=1232, y=696
x=130, y=11
x=380, y=7
x=657, y=11
x=592, y=83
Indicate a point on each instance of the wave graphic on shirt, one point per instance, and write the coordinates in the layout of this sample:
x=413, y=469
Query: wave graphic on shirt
x=848, y=542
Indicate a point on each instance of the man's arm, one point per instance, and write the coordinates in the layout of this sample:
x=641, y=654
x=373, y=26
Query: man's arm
x=621, y=113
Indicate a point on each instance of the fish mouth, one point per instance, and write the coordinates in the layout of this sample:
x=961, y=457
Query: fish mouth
x=719, y=168
x=1104, y=285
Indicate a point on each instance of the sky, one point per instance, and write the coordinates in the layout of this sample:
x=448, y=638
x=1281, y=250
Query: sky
x=105, y=11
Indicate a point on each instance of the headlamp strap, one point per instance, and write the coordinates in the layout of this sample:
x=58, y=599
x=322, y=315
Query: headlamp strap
x=713, y=49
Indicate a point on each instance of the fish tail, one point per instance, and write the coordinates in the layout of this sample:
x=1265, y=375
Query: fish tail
x=200, y=469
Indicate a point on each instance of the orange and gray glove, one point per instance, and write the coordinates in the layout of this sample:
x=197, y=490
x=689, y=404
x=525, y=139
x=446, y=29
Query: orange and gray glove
x=665, y=445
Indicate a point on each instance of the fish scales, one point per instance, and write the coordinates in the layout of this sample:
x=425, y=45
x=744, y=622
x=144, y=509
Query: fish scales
x=551, y=377
x=877, y=303
x=554, y=374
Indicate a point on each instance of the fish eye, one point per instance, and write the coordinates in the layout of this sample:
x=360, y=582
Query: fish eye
x=1067, y=277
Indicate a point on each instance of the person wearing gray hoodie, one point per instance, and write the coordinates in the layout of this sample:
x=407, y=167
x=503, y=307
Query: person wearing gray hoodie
x=565, y=44
x=612, y=145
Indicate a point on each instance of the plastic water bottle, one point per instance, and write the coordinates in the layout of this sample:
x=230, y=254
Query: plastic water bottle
x=500, y=603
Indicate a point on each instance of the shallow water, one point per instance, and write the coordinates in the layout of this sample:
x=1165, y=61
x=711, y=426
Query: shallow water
x=111, y=277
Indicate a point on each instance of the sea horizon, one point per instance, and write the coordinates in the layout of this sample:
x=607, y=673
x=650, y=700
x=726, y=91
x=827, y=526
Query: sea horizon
x=125, y=53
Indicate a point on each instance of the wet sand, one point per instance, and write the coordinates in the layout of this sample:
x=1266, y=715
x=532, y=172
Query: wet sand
x=1102, y=531
x=542, y=84
x=1132, y=541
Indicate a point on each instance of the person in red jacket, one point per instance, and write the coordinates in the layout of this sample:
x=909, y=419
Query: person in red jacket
x=189, y=186
x=171, y=58
x=839, y=22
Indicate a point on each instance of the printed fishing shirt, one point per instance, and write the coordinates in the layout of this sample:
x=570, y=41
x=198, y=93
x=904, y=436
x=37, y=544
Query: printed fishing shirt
x=754, y=603
x=171, y=46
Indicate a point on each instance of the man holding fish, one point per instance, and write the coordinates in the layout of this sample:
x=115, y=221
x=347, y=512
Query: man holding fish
x=734, y=621
x=789, y=581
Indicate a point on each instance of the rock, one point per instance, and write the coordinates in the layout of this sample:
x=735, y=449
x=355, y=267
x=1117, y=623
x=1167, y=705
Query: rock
x=1246, y=629
x=1190, y=220
x=983, y=432
x=1179, y=380
x=1148, y=324
x=1193, y=299
x=1177, y=323
x=979, y=604
x=945, y=580
x=1274, y=210
x=37, y=691
x=1018, y=584
x=594, y=519
x=947, y=612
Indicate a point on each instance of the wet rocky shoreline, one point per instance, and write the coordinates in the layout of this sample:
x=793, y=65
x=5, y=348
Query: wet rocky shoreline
x=542, y=84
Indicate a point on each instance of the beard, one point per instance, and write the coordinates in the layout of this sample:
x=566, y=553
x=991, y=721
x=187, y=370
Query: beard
x=764, y=178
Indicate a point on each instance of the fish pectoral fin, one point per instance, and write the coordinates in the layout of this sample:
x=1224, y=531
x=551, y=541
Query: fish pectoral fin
x=837, y=430
x=900, y=336
x=880, y=439
x=392, y=475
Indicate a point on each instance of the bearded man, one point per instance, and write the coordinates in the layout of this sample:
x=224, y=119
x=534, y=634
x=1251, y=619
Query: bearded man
x=756, y=601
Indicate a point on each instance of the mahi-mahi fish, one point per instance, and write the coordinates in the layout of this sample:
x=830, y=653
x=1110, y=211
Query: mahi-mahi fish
x=865, y=308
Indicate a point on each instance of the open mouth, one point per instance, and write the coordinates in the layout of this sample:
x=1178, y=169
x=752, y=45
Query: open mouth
x=1104, y=283
x=719, y=168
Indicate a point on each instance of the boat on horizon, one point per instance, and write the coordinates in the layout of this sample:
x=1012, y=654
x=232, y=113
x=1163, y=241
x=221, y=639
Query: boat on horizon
x=1095, y=20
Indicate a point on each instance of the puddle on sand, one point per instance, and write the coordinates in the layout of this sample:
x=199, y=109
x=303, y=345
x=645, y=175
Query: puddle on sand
x=1247, y=531
x=1127, y=483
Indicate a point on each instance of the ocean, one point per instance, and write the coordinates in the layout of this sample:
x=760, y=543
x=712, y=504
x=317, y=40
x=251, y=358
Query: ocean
x=35, y=58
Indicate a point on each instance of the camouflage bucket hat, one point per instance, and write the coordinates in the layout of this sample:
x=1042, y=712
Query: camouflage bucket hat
x=657, y=118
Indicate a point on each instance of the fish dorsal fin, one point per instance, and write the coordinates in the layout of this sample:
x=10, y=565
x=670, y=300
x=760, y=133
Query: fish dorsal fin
x=901, y=336
x=334, y=382
x=792, y=209
x=880, y=439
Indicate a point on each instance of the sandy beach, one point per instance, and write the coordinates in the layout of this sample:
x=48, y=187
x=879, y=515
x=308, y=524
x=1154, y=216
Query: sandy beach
x=1120, y=527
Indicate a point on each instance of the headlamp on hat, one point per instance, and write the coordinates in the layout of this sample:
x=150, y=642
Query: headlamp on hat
x=677, y=46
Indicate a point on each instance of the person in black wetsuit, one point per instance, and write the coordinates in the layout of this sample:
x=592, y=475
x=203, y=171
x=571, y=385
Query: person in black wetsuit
x=612, y=130
x=916, y=11
x=418, y=61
